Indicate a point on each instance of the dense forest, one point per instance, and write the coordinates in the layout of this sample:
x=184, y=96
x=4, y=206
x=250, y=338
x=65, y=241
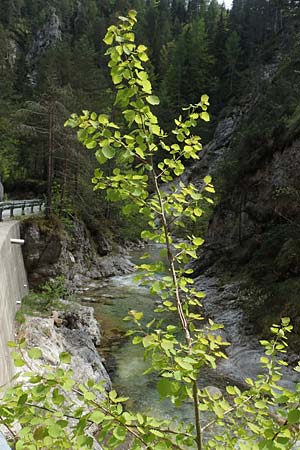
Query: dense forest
x=52, y=64
x=247, y=59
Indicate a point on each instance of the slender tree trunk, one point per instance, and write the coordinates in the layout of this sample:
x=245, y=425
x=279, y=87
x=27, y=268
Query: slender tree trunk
x=65, y=174
x=76, y=175
x=50, y=160
x=180, y=310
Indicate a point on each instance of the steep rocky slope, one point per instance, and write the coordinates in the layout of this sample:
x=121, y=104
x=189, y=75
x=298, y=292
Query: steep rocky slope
x=51, y=250
x=254, y=232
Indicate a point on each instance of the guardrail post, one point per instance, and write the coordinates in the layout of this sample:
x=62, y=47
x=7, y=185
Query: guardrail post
x=20, y=205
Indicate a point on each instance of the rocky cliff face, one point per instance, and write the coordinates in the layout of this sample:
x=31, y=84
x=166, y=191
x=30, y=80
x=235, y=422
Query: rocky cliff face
x=49, y=251
x=267, y=199
x=46, y=37
x=254, y=232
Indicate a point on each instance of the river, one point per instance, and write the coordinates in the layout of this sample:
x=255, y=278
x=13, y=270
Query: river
x=114, y=297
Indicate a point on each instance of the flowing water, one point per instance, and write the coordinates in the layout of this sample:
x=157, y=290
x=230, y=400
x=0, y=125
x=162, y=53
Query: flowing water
x=113, y=298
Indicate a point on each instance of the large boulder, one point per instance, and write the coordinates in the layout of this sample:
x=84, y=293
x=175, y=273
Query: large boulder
x=75, y=331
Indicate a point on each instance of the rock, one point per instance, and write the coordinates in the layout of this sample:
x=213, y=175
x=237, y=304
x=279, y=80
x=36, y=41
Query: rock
x=85, y=357
x=72, y=259
x=74, y=331
x=252, y=223
x=14, y=50
x=77, y=334
x=213, y=152
x=114, y=265
x=288, y=259
x=103, y=245
x=40, y=248
x=81, y=318
x=49, y=252
x=224, y=131
x=213, y=391
x=47, y=37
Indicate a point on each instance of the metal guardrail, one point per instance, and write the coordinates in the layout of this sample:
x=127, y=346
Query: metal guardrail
x=20, y=204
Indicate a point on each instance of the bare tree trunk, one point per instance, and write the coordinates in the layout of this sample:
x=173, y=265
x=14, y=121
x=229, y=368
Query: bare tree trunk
x=76, y=174
x=50, y=160
x=65, y=174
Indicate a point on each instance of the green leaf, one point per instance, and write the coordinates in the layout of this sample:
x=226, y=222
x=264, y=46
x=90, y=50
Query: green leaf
x=143, y=57
x=137, y=340
x=198, y=212
x=230, y=390
x=129, y=115
x=65, y=357
x=103, y=119
x=294, y=416
x=148, y=341
x=198, y=241
x=205, y=116
x=184, y=363
x=142, y=75
x=40, y=433
x=91, y=144
x=90, y=396
x=167, y=387
x=97, y=417
x=108, y=152
x=254, y=428
x=54, y=430
x=153, y=100
x=35, y=353
x=205, y=99
x=157, y=433
x=108, y=39
x=146, y=85
x=207, y=179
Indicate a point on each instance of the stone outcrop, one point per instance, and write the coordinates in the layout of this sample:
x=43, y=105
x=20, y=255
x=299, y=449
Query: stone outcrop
x=47, y=36
x=74, y=330
x=49, y=251
x=267, y=200
x=213, y=152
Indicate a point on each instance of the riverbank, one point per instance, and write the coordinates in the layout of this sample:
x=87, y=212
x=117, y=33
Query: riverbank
x=51, y=249
x=113, y=298
x=74, y=330
x=71, y=330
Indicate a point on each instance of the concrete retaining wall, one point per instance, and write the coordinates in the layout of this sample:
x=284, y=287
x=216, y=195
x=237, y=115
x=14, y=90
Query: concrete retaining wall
x=13, y=287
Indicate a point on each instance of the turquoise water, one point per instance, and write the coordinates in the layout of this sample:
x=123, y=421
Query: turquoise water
x=112, y=300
